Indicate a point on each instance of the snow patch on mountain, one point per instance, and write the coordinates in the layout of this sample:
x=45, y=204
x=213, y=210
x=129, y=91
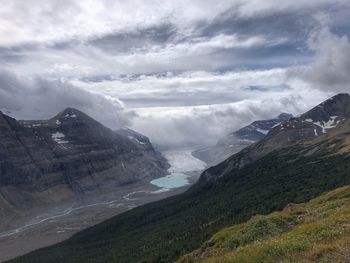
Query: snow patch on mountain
x=59, y=138
x=70, y=116
x=263, y=131
x=331, y=123
x=137, y=140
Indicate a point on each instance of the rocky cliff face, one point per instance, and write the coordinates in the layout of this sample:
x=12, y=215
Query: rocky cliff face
x=238, y=140
x=67, y=156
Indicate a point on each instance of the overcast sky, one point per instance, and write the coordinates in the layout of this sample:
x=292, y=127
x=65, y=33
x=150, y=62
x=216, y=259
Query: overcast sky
x=181, y=72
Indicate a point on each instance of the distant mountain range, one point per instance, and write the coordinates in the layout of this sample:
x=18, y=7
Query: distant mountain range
x=238, y=140
x=45, y=162
x=297, y=160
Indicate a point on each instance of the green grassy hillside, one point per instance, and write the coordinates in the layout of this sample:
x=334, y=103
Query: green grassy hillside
x=317, y=231
x=165, y=230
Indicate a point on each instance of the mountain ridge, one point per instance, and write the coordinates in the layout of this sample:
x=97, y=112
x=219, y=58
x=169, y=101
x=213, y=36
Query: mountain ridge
x=297, y=130
x=238, y=140
x=260, y=179
x=68, y=156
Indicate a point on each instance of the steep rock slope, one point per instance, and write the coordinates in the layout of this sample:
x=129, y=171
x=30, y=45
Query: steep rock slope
x=292, y=164
x=317, y=231
x=67, y=156
x=236, y=141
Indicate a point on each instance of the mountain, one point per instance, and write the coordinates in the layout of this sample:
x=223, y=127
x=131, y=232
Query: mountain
x=139, y=140
x=291, y=164
x=316, y=231
x=67, y=157
x=318, y=123
x=238, y=140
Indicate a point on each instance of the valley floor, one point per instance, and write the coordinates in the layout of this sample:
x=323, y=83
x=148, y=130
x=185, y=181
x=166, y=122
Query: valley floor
x=38, y=229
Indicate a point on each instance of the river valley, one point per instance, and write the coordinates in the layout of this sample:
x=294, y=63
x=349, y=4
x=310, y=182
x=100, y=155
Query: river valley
x=43, y=228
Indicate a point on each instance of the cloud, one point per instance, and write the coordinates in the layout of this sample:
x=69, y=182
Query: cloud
x=198, y=53
x=38, y=98
x=170, y=124
x=187, y=88
x=195, y=109
x=22, y=22
x=254, y=7
x=199, y=126
x=87, y=38
x=204, y=125
x=330, y=70
x=201, y=53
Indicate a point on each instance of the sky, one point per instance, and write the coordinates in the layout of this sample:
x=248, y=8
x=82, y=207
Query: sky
x=184, y=73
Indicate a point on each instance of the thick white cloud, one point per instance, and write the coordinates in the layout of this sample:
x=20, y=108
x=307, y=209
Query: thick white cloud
x=330, y=70
x=196, y=126
x=38, y=98
x=197, y=108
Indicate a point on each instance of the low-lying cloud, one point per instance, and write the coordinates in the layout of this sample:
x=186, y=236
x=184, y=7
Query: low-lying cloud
x=38, y=98
x=200, y=126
